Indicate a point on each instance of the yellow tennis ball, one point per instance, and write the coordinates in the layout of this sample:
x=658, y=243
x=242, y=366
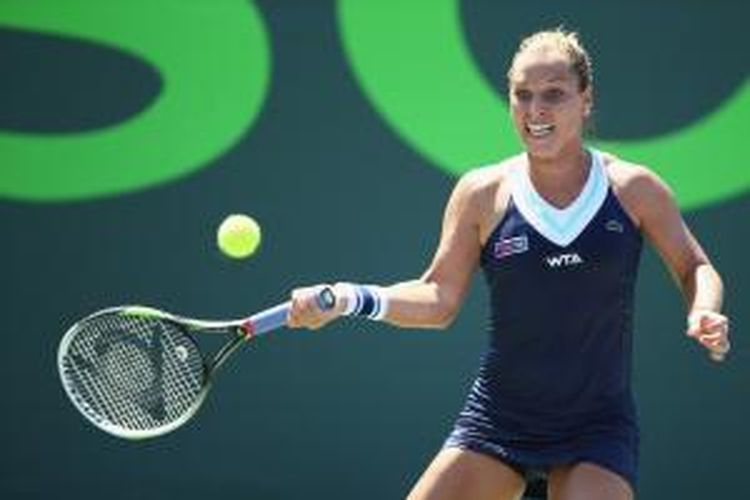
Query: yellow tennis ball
x=238, y=236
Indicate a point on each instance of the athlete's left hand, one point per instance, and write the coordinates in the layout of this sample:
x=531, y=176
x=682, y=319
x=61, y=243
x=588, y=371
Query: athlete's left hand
x=710, y=329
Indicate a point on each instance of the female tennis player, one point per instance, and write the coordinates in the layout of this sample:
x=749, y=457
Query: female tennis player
x=557, y=231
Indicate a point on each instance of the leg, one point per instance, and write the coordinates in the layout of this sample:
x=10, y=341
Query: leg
x=457, y=474
x=587, y=481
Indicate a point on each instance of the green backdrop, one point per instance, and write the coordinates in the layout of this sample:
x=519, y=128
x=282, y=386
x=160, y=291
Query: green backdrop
x=128, y=129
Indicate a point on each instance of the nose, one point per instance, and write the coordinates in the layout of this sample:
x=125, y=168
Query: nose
x=537, y=107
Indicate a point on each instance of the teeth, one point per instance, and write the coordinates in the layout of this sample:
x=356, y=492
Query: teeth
x=540, y=130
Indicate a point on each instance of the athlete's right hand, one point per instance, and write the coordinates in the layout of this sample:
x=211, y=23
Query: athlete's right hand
x=305, y=312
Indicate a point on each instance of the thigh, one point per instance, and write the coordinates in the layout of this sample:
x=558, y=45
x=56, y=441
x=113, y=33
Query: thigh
x=458, y=474
x=587, y=481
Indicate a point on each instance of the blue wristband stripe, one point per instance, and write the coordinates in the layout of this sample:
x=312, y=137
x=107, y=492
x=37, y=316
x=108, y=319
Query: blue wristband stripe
x=367, y=302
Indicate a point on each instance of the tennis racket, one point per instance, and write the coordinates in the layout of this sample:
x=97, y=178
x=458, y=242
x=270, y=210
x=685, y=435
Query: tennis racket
x=137, y=372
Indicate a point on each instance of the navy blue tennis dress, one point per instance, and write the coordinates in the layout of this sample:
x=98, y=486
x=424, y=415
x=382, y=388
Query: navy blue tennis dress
x=554, y=384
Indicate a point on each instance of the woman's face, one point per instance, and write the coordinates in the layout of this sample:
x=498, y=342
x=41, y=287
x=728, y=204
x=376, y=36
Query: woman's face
x=548, y=108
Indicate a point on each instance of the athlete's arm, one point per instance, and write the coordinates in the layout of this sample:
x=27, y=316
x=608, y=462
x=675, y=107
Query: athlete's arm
x=651, y=202
x=433, y=300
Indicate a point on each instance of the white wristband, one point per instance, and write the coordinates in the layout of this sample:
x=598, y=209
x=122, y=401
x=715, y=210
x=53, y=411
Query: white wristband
x=348, y=292
x=363, y=300
x=382, y=301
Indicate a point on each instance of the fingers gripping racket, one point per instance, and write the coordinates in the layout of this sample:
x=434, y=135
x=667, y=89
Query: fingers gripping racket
x=137, y=372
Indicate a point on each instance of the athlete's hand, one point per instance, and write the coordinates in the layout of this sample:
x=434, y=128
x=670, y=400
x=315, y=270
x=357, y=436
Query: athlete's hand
x=305, y=311
x=711, y=330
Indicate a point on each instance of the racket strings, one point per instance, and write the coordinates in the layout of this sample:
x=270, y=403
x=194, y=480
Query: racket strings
x=134, y=373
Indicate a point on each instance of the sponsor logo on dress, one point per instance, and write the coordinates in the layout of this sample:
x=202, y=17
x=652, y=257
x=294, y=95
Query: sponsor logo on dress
x=511, y=246
x=614, y=225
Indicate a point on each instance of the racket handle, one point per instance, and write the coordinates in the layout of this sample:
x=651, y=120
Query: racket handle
x=326, y=299
x=275, y=317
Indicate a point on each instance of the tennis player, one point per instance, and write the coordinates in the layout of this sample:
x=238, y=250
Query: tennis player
x=557, y=231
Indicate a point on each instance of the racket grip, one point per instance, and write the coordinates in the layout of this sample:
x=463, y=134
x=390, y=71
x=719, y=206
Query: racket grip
x=275, y=317
x=326, y=299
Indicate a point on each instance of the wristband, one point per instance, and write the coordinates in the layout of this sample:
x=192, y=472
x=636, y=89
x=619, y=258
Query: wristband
x=364, y=300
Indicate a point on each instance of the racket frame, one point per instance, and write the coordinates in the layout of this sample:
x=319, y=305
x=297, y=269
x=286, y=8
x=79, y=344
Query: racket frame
x=243, y=330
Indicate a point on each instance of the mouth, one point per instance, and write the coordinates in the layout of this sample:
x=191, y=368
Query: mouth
x=539, y=131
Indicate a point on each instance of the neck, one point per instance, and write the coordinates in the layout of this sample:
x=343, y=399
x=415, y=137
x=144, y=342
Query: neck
x=560, y=179
x=570, y=161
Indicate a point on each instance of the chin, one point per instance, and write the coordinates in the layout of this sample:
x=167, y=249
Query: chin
x=543, y=151
x=551, y=149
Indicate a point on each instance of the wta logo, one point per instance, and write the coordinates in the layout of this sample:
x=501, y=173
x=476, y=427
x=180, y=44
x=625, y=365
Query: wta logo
x=564, y=260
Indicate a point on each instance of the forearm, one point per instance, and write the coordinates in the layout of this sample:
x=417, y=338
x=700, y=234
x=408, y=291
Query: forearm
x=418, y=304
x=703, y=289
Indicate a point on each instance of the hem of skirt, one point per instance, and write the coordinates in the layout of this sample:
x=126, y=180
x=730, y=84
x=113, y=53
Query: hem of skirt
x=534, y=470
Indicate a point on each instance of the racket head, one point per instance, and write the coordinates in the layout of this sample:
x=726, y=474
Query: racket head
x=132, y=371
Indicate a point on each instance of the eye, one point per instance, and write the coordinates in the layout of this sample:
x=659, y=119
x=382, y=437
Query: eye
x=522, y=95
x=553, y=95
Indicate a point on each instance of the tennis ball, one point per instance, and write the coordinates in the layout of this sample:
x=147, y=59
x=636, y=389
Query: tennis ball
x=238, y=236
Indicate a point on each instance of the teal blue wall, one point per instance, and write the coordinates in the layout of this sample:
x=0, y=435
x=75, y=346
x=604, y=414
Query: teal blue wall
x=356, y=410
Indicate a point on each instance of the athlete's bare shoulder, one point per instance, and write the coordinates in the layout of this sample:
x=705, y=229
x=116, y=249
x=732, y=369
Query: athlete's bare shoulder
x=488, y=177
x=489, y=189
x=636, y=186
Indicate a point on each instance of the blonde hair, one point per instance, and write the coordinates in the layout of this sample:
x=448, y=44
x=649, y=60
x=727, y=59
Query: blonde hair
x=567, y=42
